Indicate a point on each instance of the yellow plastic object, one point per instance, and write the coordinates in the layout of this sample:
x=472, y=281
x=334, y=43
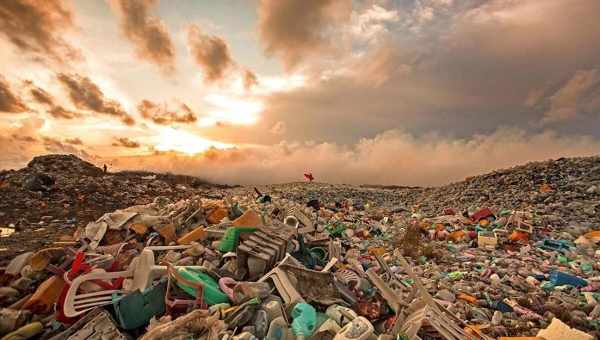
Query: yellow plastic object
x=26, y=332
x=168, y=232
x=250, y=218
x=466, y=297
x=217, y=215
x=457, y=235
x=593, y=235
x=197, y=234
x=519, y=236
x=46, y=295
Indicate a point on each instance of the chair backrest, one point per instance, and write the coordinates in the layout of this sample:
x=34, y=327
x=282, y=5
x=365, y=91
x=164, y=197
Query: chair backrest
x=77, y=303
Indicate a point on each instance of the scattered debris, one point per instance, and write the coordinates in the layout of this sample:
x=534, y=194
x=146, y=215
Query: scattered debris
x=309, y=260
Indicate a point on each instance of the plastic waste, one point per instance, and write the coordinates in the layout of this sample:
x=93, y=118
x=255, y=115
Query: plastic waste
x=26, y=332
x=137, y=308
x=244, y=291
x=232, y=236
x=305, y=319
x=261, y=324
x=273, y=309
x=359, y=329
x=278, y=330
x=560, y=278
x=212, y=294
x=340, y=314
x=197, y=234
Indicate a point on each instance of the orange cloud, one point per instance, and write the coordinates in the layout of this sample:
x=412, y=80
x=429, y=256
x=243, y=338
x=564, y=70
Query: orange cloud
x=43, y=97
x=148, y=34
x=294, y=30
x=10, y=102
x=74, y=141
x=210, y=52
x=34, y=27
x=86, y=95
x=160, y=115
x=126, y=143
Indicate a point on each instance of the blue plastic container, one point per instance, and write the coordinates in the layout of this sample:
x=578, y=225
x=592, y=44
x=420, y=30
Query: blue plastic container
x=559, y=279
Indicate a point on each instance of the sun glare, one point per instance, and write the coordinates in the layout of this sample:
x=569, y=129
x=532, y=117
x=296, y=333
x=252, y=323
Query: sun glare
x=233, y=110
x=182, y=141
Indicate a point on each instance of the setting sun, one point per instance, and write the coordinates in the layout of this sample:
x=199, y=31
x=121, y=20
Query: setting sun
x=171, y=139
x=237, y=111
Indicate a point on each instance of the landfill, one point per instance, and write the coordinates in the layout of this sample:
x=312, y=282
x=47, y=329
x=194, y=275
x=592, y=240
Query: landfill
x=513, y=254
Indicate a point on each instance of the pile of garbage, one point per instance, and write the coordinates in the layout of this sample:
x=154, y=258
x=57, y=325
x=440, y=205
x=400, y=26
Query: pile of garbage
x=55, y=193
x=255, y=265
x=65, y=186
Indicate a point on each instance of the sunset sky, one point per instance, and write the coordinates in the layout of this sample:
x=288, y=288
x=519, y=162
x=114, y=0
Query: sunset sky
x=407, y=92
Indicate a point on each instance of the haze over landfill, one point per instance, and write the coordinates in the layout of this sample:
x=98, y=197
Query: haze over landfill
x=419, y=92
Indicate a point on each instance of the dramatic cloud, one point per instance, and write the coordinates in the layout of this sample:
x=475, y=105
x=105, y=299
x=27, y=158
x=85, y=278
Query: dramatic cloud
x=60, y=112
x=159, y=114
x=40, y=95
x=210, y=52
x=126, y=143
x=250, y=79
x=580, y=94
x=35, y=27
x=74, y=141
x=294, y=30
x=43, y=97
x=392, y=157
x=372, y=23
x=453, y=78
x=148, y=33
x=10, y=102
x=86, y=95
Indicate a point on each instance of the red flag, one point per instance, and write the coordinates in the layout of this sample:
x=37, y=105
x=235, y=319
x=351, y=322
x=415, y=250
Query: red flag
x=309, y=176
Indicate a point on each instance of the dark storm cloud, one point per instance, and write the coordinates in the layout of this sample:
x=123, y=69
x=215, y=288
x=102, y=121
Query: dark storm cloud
x=35, y=27
x=148, y=33
x=294, y=30
x=9, y=101
x=210, y=52
x=126, y=143
x=159, y=114
x=472, y=71
x=86, y=95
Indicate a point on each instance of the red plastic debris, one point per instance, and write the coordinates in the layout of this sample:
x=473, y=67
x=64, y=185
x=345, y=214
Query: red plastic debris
x=483, y=213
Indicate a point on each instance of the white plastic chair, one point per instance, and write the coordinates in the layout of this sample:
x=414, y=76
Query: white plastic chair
x=142, y=271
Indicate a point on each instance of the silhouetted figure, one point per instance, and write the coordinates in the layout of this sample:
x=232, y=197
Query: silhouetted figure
x=105, y=168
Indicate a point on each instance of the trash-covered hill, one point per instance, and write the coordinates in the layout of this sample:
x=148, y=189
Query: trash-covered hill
x=511, y=253
x=55, y=193
x=565, y=191
x=66, y=187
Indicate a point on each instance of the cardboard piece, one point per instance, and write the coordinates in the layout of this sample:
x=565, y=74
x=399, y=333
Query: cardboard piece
x=558, y=330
